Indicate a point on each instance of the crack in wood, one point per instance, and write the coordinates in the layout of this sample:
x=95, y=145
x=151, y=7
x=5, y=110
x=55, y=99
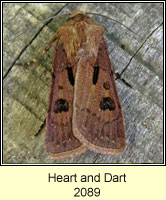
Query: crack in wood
x=40, y=129
x=95, y=158
x=139, y=48
x=31, y=95
x=25, y=106
x=118, y=76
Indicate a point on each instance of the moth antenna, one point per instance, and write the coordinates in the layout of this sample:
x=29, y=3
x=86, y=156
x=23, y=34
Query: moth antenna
x=35, y=60
x=90, y=13
x=45, y=20
x=84, y=10
x=35, y=25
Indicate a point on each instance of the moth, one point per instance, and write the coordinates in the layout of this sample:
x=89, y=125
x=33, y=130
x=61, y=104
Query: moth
x=84, y=108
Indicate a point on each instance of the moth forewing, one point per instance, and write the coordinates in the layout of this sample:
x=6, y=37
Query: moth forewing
x=60, y=141
x=97, y=114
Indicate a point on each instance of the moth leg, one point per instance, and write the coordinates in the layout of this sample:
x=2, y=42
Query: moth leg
x=35, y=60
x=40, y=129
x=119, y=76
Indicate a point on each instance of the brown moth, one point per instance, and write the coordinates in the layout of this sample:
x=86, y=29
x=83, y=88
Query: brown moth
x=84, y=108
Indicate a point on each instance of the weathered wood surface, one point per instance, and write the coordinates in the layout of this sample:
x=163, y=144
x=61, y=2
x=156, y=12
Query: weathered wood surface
x=26, y=89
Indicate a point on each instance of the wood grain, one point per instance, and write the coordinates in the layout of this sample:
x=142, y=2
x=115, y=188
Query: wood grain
x=137, y=55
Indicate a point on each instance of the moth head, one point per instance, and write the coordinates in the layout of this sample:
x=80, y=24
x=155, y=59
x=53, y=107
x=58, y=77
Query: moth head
x=76, y=12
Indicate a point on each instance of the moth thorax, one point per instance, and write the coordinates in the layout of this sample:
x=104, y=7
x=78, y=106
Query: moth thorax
x=85, y=53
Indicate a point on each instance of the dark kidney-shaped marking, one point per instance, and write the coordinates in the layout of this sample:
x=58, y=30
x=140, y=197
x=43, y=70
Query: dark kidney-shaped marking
x=107, y=104
x=61, y=105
